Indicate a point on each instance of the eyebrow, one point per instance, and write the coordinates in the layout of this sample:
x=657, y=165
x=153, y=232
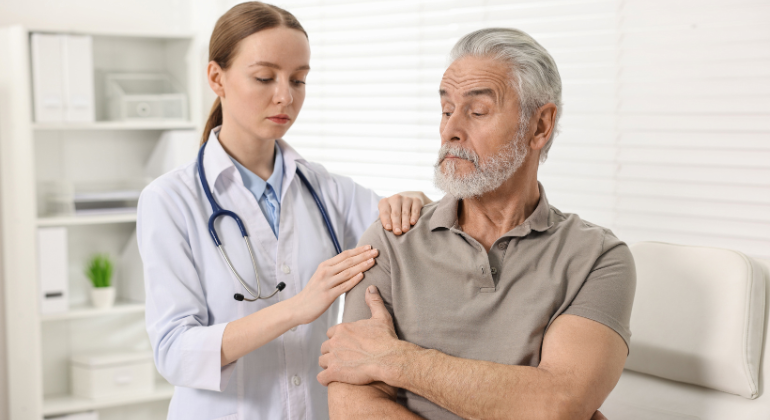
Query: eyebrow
x=481, y=92
x=474, y=92
x=276, y=66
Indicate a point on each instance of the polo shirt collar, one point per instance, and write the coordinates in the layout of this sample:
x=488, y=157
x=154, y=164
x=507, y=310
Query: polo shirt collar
x=540, y=220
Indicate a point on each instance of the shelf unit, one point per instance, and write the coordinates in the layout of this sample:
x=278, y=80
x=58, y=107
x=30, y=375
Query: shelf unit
x=66, y=404
x=86, y=220
x=32, y=154
x=88, y=311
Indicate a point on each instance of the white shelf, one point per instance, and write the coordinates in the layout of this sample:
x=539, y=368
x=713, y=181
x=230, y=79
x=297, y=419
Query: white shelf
x=65, y=404
x=116, y=125
x=87, y=220
x=87, y=311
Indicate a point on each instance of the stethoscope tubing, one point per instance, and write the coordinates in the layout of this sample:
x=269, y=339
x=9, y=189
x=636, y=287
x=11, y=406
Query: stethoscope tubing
x=218, y=211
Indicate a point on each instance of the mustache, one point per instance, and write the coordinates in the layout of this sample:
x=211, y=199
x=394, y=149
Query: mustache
x=460, y=152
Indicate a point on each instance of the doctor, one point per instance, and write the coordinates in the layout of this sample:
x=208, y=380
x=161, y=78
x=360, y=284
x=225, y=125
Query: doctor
x=253, y=356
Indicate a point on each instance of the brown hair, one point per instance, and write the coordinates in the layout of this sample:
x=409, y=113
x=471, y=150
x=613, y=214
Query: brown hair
x=238, y=23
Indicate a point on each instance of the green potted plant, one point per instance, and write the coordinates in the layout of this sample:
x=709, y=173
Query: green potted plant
x=99, y=270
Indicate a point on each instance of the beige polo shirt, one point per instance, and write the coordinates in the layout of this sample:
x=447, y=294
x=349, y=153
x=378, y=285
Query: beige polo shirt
x=446, y=292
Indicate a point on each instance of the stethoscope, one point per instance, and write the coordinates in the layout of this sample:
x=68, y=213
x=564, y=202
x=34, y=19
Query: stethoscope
x=219, y=211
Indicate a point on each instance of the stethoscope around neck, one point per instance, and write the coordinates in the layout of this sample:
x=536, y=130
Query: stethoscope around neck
x=218, y=211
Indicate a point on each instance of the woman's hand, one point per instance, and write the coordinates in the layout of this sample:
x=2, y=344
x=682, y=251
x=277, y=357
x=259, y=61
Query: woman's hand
x=400, y=211
x=333, y=277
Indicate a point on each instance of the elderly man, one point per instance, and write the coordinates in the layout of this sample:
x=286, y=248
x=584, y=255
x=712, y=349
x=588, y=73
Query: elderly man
x=496, y=304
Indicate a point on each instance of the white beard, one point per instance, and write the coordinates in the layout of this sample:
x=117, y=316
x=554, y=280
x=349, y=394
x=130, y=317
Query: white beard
x=488, y=175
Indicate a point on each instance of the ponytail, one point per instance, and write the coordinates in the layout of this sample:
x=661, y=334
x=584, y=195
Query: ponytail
x=214, y=120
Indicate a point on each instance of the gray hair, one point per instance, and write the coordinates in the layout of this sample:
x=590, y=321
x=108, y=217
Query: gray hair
x=533, y=71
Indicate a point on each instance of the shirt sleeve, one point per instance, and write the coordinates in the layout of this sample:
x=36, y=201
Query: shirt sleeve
x=379, y=275
x=607, y=295
x=187, y=350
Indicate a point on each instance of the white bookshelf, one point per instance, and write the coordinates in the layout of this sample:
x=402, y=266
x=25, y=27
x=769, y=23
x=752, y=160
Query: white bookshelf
x=33, y=154
x=87, y=220
x=87, y=311
x=66, y=404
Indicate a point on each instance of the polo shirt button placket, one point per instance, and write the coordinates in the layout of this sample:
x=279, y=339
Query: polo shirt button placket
x=502, y=245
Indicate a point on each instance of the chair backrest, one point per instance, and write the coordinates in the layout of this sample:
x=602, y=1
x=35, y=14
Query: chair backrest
x=699, y=328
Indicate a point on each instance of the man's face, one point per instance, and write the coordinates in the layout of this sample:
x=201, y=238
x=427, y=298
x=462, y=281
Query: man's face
x=482, y=139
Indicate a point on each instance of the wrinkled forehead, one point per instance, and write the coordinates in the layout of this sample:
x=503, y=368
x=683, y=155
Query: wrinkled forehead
x=471, y=76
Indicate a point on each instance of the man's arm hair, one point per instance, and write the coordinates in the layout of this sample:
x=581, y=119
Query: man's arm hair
x=374, y=401
x=581, y=362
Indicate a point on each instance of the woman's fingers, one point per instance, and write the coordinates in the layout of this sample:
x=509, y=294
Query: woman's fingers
x=395, y=213
x=342, y=256
x=352, y=261
x=351, y=272
x=345, y=286
x=384, y=208
x=416, y=209
x=406, y=214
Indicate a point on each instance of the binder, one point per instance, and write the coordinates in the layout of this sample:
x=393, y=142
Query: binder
x=52, y=269
x=62, y=78
x=47, y=78
x=78, y=72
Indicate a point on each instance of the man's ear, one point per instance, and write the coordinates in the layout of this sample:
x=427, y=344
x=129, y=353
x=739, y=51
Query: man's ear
x=214, y=75
x=545, y=123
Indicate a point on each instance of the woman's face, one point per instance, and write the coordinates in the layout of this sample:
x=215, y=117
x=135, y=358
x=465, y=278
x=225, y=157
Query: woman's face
x=263, y=90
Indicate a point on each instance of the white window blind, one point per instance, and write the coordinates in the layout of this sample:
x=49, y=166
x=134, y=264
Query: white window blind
x=694, y=123
x=665, y=132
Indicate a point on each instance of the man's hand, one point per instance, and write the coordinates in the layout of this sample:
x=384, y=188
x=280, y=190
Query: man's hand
x=400, y=211
x=365, y=351
x=598, y=416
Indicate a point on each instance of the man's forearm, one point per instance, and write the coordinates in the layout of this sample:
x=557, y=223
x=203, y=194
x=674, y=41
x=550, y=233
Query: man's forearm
x=476, y=389
x=373, y=401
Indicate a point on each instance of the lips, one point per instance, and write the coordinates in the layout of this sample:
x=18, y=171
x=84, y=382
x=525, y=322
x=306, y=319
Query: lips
x=279, y=119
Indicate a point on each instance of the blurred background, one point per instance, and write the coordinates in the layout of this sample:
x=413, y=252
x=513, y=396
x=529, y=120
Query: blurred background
x=665, y=136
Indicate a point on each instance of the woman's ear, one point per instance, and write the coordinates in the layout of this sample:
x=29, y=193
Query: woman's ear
x=214, y=75
x=545, y=123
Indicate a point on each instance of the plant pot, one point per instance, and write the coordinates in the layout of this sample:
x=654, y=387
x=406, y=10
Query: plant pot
x=102, y=297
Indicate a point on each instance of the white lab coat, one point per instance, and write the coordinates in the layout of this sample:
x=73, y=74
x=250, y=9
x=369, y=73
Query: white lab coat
x=190, y=289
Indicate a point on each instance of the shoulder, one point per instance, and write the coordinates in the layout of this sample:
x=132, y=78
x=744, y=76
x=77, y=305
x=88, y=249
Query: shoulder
x=376, y=234
x=573, y=227
x=178, y=185
x=584, y=236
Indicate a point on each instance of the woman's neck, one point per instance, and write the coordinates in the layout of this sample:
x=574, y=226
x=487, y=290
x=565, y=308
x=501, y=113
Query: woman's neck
x=255, y=154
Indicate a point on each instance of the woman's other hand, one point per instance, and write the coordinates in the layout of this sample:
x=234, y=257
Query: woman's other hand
x=400, y=211
x=333, y=277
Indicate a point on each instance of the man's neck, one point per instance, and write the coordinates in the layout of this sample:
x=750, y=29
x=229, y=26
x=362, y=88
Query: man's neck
x=490, y=216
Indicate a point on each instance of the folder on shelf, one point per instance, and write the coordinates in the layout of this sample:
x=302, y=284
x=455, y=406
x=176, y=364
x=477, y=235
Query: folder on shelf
x=47, y=79
x=78, y=79
x=62, y=78
x=52, y=269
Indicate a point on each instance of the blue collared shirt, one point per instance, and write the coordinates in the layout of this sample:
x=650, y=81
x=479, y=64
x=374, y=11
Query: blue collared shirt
x=267, y=193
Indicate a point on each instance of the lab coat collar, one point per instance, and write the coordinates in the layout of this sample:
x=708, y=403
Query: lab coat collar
x=290, y=160
x=216, y=161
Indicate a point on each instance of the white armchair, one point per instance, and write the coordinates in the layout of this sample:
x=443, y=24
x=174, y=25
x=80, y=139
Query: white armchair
x=699, y=345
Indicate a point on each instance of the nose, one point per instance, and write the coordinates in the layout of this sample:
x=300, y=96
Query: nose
x=282, y=94
x=452, y=128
